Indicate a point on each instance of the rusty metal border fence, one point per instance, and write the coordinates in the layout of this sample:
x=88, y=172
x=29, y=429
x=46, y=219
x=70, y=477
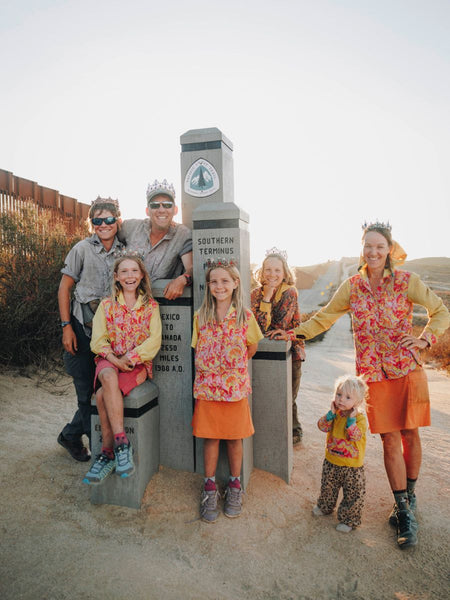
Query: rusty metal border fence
x=16, y=193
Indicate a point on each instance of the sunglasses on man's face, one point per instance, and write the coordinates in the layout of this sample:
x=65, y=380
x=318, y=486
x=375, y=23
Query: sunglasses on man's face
x=156, y=205
x=106, y=220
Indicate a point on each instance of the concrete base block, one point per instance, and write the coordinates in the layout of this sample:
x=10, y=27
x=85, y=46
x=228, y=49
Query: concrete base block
x=172, y=372
x=141, y=423
x=272, y=408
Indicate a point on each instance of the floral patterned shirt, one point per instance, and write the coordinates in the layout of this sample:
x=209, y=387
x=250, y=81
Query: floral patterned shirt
x=121, y=330
x=380, y=319
x=282, y=312
x=345, y=445
x=221, y=361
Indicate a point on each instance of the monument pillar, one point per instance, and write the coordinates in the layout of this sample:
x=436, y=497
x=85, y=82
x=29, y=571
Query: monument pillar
x=219, y=230
x=172, y=372
x=206, y=170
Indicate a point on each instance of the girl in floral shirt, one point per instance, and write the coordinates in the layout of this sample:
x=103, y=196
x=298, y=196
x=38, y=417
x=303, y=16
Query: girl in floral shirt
x=126, y=336
x=225, y=337
x=275, y=306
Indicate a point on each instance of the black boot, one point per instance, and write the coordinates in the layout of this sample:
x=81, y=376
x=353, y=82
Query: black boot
x=406, y=526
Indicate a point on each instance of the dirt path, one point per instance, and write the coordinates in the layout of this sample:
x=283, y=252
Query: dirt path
x=56, y=545
x=310, y=300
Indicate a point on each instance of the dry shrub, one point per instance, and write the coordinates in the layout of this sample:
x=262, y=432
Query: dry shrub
x=439, y=354
x=33, y=248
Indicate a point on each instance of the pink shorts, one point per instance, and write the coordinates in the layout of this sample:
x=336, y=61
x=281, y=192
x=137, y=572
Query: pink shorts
x=127, y=379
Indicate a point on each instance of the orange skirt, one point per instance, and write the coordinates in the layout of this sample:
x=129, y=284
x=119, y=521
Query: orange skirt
x=222, y=420
x=396, y=404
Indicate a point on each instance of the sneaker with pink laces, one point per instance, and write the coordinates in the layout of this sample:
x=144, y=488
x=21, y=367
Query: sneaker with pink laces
x=208, y=502
x=233, y=499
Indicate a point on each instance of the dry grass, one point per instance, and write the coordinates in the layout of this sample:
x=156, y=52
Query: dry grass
x=439, y=354
x=33, y=247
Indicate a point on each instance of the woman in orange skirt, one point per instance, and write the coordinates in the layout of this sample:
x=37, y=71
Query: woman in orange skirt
x=225, y=337
x=380, y=300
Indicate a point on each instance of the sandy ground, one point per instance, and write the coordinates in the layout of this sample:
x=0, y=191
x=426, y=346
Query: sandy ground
x=56, y=545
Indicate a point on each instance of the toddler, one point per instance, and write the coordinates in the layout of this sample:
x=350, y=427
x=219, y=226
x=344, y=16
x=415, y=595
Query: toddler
x=346, y=427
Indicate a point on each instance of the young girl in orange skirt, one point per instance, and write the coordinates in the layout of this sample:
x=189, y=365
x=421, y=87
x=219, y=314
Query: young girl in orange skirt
x=126, y=336
x=225, y=337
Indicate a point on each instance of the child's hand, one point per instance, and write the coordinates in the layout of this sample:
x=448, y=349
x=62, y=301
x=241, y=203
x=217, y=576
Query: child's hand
x=124, y=363
x=333, y=408
x=277, y=334
x=268, y=291
x=353, y=413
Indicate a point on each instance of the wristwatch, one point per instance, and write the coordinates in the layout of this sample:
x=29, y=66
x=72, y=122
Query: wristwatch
x=64, y=323
x=188, y=279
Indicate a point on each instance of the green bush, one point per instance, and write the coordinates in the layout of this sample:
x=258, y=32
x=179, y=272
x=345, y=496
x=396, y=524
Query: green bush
x=32, y=252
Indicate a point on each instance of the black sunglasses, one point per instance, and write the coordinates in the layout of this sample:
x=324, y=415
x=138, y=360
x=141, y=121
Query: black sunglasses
x=156, y=205
x=106, y=220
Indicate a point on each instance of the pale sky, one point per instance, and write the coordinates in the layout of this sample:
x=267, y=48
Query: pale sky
x=338, y=110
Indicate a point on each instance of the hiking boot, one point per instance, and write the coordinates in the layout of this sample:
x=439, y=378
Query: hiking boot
x=412, y=507
x=124, y=460
x=233, y=500
x=208, y=506
x=406, y=528
x=100, y=469
x=75, y=448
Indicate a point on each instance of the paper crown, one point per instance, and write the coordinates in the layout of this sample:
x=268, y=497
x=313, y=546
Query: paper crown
x=160, y=188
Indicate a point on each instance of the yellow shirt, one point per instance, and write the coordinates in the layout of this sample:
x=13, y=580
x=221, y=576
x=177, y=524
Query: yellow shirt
x=119, y=329
x=346, y=446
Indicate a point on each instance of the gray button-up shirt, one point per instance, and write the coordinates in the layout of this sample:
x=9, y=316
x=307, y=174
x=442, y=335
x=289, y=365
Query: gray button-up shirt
x=91, y=267
x=163, y=260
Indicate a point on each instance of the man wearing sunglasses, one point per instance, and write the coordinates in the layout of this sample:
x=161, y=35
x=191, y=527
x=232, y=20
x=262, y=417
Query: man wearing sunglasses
x=87, y=272
x=165, y=245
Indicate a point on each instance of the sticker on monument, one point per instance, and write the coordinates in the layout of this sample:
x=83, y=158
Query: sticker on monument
x=201, y=179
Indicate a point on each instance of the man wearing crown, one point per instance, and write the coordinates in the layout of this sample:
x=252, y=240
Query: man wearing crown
x=166, y=246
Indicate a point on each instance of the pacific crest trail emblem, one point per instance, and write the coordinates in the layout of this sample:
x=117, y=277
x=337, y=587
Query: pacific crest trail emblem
x=201, y=179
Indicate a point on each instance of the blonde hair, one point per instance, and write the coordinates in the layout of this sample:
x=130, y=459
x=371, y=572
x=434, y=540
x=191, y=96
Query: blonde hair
x=288, y=278
x=355, y=386
x=144, y=287
x=207, y=311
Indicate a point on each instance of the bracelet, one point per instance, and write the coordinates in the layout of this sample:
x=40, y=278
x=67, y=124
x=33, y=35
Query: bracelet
x=64, y=323
x=188, y=279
